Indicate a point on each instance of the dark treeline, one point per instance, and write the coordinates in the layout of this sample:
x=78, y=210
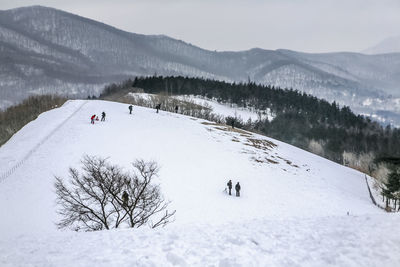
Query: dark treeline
x=300, y=119
x=15, y=117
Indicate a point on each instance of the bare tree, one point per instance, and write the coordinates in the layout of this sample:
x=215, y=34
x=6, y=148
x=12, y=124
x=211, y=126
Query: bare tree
x=105, y=197
x=363, y=162
x=316, y=147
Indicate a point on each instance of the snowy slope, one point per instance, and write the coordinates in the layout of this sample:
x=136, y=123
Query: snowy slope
x=327, y=241
x=288, y=196
x=217, y=108
x=228, y=109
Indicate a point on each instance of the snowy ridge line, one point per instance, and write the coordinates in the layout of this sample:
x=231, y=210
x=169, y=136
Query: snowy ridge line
x=8, y=173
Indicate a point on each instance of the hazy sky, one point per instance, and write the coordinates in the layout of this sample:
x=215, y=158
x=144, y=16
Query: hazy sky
x=303, y=25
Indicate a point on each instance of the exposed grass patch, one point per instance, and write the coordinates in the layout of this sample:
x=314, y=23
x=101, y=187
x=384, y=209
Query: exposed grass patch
x=272, y=161
x=261, y=144
x=288, y=162
x=210, y=123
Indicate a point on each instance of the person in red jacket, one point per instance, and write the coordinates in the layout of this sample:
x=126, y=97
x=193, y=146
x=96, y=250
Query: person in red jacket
x=92, y=119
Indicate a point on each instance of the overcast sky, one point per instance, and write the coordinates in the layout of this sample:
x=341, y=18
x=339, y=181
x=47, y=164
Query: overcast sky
x=302, y=25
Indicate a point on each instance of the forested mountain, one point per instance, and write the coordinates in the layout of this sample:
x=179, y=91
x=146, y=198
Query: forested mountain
x=44, y=50
x=299, y=119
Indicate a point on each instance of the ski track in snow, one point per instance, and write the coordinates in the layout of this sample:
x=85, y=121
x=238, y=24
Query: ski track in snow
x=292, y=211
x=19, y=163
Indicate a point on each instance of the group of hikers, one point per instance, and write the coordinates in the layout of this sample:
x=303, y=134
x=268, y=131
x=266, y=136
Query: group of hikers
x=237, y=188
x=125, y=196
x=96, y=118
x=103, y=114
x=158, y=107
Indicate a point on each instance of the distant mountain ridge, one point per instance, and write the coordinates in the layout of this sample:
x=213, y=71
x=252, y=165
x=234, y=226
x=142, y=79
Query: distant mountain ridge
x=388, y=45
x=44, y=50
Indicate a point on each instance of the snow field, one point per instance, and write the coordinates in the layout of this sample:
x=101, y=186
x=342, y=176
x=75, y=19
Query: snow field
x=324, y=241
x=225, y=109
x=292, y=211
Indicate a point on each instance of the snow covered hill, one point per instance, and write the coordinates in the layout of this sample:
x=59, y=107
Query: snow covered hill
x=44, y=50
x=215, y=107
x=293, y=209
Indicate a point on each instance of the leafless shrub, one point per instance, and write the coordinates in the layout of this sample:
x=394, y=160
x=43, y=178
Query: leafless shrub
x=381, y=174
x=316, y=147
x=186, y=105
x=105, y=197
x=363, y=162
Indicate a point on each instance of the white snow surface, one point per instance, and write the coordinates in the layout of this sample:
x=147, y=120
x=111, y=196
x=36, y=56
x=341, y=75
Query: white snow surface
x=222, y=109
x=228, y=109
x=292, y=211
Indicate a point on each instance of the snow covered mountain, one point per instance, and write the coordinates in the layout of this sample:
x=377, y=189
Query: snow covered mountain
x=389, y=45
x=296, y=208
x=44, y=50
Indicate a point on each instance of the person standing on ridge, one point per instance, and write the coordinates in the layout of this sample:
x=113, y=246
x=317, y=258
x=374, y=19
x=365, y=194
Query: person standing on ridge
x=130, y=109
x=237, y=188
x=125, y=198
x=158, y=107
x=103, y=116
x=229, y=184
x=176, y=109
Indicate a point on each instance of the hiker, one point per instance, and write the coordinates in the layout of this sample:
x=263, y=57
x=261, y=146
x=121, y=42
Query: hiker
x=130, y=109
x=92, y=119
x=229, y=184
x=237, y=188
x=158, y=107
x=125, y=198
x=176, y=109
x=103, y=116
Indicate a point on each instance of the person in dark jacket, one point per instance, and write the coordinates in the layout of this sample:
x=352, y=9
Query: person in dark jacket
x=103, y=116
x=158, y=107
x=125, y=198
x=130, y=109
x=176, y=109
x=229, y=184
x=237, y=188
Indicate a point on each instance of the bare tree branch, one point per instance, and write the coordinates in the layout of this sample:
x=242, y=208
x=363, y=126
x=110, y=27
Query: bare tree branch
x=93, y=200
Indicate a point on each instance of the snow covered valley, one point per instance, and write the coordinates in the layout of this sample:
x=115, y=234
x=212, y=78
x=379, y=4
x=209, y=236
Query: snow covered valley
x=296, y=209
